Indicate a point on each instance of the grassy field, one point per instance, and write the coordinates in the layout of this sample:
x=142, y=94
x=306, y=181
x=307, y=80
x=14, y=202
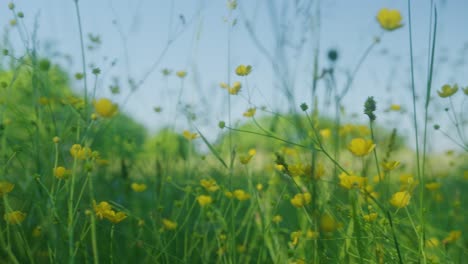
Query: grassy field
x=82, y=182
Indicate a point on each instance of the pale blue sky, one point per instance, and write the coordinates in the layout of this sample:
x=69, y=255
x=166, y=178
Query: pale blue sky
x=201, y=49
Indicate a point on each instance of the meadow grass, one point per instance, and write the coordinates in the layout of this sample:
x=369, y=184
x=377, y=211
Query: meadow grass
x=83, y=183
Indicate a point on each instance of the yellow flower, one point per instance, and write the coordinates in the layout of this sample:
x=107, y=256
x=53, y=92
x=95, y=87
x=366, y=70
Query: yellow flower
x=390, y=165
x=79, y=152
x=395, y=107
x=277, y=219
x=259, y=187
x=311, y=234
x=102, y=209
x=325, y=133
x=5, y=187
x=168, y=224
x=246, y=158
x=351, y=181
x=241, y=195
x=204, y=200
x=447, y=90
x=60, y=172
x=301, y=199
x=209, y=185
x=328, y=223
x=433, y=186
x=189, y=136
x=243, y=70
x=389, y=19
x=37, y=231
x=105, y=108
x=115, y=217
x=138, y=187
x=400, y=199
x=370, y=217
x=361, y=147
x=15, y=217
x=250, y=112
x=234, y=89
x=228, y=194
x=181, y=74
x=432, y=242
x=452, y=237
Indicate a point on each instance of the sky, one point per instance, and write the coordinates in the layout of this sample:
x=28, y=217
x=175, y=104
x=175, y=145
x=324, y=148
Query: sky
x=142, y=37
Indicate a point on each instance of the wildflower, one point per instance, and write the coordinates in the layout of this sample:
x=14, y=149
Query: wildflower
x=325, y=133
x=277, y=219
x=407, y=181
x=301, y=199
x=189, y=136
x=243, y=70
x=5, y=187
x=250, y=112
x=328, y=223
x=246, y=158
x=228, y=194
x=395, y=107
x=351, y=181
x=312, y=234
x=400, y=199
x=204, y=200
x=234, y=89
x=37, y=231
x=370, y=217
x=295, y=237
x=452, y=237
x=259, y=187
x=432, y=242
x=105, y=108
x=102, y=209
x=447, y=90
x=181, y=74
x=60, y=172
x=433, y=186
x=361, y=147
x=56, y=140
x=390, y=165
x=296, y=170
x=389, y=19
x=15, y=217
x=138, y=187
x=79, y=152
x=241, y=195
x=168, y=224
x=116, y=217
x=210, y=185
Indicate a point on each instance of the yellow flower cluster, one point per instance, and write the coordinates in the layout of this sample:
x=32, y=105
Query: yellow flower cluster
x=234, y=89
x=104, y=210
x=301, y=199
x=79, y=152
x=241, y=195
x=351, y=181
x=209, y=184
x=243, y=70
x=250, y=112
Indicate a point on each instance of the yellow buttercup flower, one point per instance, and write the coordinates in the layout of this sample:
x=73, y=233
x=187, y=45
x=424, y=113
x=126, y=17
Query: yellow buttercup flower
x=181, y=74
x=241, y=195
x=15, y=217
x=243, y=70
x=452, y=237
x=138, y=187
x=105, y=108
x=79, y=152
x=245, y=159
x=351, y=181
x=250, y=112
x=204, y=200
x=325, y=133
x=390, y=165
x=400, y=199
x=395, y=107
x=116, y=217
x=61, y=172
x=189, y=136
x=234, y=89
x=361, y=147
x=209, y=185
x=370, y=217
x=311, y=234
x=328, y=223
x=301, y=199
x=168, y=224
x=432, y=242
x=6, y=187
x=447, y=90
x=102, y=209
x=389, y=19
x=277, y=219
